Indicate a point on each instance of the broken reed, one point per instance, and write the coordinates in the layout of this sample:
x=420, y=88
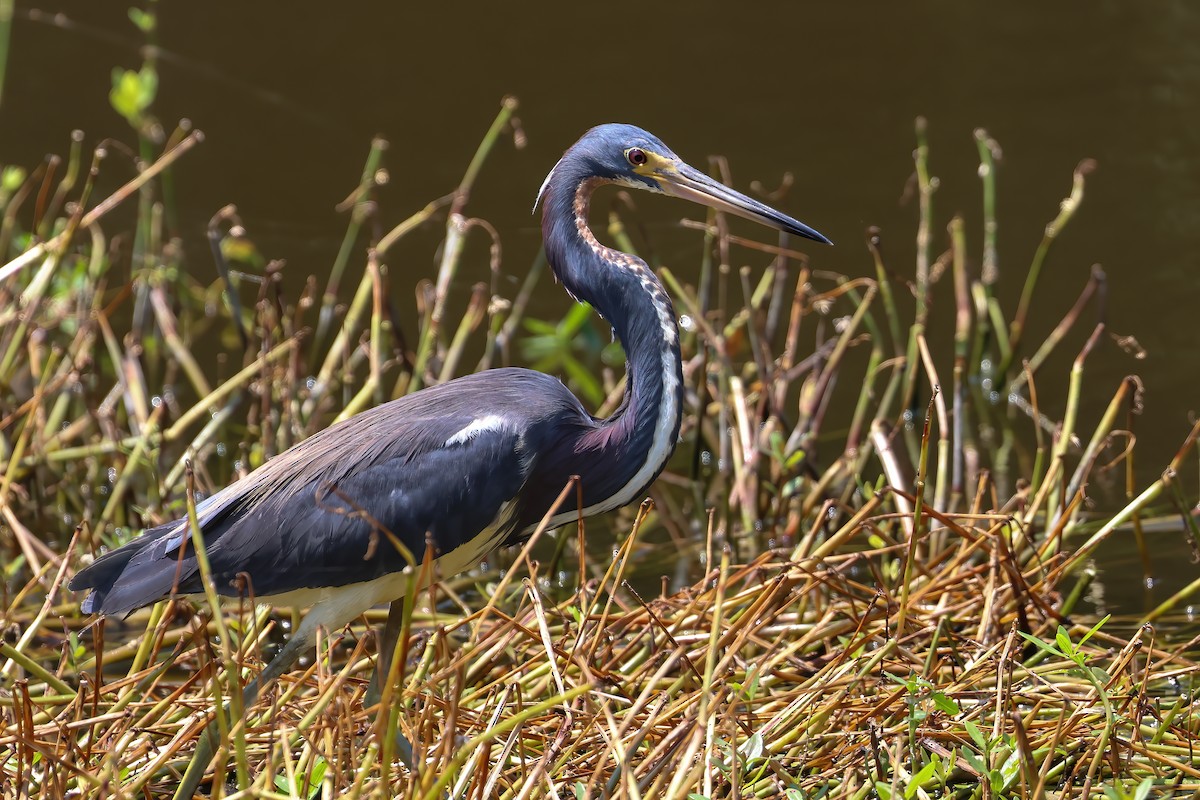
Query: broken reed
x=861, y=624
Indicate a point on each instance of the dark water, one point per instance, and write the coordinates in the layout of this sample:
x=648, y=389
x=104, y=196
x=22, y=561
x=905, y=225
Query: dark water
x=290, y=95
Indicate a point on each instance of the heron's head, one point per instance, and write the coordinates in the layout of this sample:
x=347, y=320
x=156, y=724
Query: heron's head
x=629, y=156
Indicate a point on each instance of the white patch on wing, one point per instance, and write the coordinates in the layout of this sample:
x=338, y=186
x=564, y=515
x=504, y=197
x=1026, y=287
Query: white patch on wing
x=491, y=422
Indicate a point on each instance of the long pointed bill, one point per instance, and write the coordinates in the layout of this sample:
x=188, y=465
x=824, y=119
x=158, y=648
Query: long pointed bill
x=692, y=184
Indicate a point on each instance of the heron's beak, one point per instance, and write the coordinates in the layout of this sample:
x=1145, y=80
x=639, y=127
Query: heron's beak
x=681, y=180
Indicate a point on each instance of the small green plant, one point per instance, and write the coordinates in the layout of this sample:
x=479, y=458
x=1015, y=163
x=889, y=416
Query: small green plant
x=133, y=91
x=1139, y=792
x=572, y=347
x=1064, y=647
x=307, y=785
x=987, y=753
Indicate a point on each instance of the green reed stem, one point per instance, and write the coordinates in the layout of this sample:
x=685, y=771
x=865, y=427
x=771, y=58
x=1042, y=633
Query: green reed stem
x=508, y=107
x=358, y=214
x=962, y=334
x=915, y=536
x=449, y=770
x=456, y=229
x=472, y=317
x=1099, y=438
x=230, y=665
x=1067, y=210
x=885, y=291
x=1067, y=432
x=1095, y=282
x=6, y=15
x=989, y=152
x=925, y=189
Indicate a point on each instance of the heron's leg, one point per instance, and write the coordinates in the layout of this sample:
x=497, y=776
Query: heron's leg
x=383, y=668
x=207, y=746
x=387, y=647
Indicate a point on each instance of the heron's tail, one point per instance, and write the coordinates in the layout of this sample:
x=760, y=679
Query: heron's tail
x=126, y=579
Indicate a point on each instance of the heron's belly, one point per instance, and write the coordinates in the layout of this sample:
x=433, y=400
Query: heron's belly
x=334, y=607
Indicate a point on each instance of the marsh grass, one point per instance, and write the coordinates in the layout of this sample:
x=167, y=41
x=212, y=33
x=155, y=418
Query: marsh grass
x=888, y=552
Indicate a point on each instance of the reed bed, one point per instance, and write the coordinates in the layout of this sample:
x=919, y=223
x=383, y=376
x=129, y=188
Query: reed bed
x=886, y=538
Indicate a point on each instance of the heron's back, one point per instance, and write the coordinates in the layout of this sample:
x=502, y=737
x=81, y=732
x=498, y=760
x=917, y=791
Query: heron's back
x=443, y=466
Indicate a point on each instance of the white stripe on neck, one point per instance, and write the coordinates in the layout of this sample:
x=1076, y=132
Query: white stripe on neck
x=667, y=414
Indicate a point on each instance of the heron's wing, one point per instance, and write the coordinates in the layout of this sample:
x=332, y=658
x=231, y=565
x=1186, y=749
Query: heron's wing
x=438, y=466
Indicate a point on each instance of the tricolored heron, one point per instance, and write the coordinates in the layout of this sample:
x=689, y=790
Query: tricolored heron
x=468, y=465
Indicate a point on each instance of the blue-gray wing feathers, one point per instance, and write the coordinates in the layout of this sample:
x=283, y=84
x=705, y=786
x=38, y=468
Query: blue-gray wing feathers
x=435, y=466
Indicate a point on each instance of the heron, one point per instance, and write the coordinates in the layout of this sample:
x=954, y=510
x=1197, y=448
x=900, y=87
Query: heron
x=468, y=465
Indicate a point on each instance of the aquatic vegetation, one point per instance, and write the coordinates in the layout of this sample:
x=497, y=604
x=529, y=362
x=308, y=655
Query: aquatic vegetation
x=884, y=541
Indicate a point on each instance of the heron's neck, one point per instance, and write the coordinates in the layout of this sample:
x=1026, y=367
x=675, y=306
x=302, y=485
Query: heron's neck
x=627, y=293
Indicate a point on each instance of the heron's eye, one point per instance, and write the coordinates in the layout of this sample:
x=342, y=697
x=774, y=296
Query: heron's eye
x=636, y=156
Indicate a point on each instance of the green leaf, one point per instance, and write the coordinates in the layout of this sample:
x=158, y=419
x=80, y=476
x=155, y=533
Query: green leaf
x=776, y=442
x=1143, y=789
x=539, y=327
x=1010, y=769
x=125, y=92
x=133, y=92
x=974, y=760
x=579, y=315
x=143, y=19
x=149, y=85
x=884, y=790
x=12, y=178
x=14, y=566
x=613, y=354
x=696, y=796
x=976, y=735
x=794, y=794
x=585, y=382
x=996, y=779
x=752, y=689
x=753, y=747
x=1063, y=639
x=945, y=703
x=1094, y=629
x=1044, y=646
x=919, y=780
x=316, y=776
